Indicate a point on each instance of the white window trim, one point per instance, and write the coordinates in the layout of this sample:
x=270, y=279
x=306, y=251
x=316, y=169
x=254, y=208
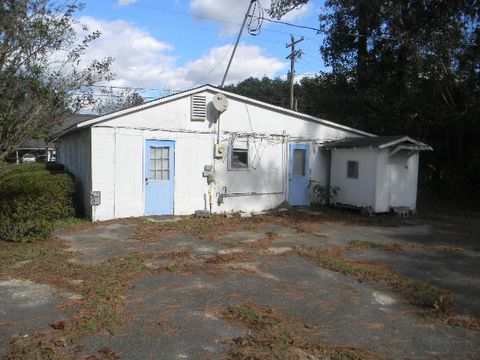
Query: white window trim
x=358, y=169
x=231, y=149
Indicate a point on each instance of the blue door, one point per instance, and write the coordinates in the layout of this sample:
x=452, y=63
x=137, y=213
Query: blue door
x=159, y=175
x=299, y=173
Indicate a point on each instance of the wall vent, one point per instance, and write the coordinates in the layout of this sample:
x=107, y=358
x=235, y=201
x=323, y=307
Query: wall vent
x=199, y=107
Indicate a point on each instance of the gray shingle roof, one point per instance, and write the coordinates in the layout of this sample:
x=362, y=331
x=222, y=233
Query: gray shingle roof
x=69, y=121
x=33, y=144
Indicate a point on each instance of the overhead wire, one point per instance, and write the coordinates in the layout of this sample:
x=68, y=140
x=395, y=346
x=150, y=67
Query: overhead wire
x=255, y=22
x=319, y=31
x=254, y=25
x=215, y=66
x=202, y=17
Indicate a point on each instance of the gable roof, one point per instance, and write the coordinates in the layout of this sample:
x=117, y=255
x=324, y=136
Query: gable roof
x=71, y=120
x=67, y=123
x=380, y=142
x=166, y=99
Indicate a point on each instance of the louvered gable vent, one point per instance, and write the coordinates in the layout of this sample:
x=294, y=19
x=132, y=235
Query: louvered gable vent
x=199, y=107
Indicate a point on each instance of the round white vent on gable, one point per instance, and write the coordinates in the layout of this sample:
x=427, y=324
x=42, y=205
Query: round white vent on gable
x=220, y=102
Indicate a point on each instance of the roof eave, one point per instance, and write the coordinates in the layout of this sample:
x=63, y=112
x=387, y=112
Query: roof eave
x=174, y=97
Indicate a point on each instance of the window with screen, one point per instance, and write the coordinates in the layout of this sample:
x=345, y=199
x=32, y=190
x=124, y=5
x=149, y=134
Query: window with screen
x=299, y=162
x=159, y=163
x=352, y=169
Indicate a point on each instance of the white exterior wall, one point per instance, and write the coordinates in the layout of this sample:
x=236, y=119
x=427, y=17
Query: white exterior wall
x=383, y=186
x=403, y=176
x=320, y=160
x=384, y=181
x=119, y=172
x=73, y=151
x=118, y=157
x=359, y=192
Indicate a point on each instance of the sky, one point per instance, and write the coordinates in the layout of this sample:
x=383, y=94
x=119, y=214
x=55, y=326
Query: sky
x=168, y=46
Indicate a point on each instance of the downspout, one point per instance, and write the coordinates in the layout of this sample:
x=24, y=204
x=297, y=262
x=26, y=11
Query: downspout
x=114, y=173
x=92, y=207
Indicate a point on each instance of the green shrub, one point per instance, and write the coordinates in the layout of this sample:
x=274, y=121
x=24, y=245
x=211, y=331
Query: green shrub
x=7, y=170
x=31, y=200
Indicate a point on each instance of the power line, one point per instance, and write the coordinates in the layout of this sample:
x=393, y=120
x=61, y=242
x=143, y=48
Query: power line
x=261, y=19
x=133, y=88
x=203, y=17
x=215, y=66
x=318, y=31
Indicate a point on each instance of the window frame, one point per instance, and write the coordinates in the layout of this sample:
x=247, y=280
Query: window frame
x=356, y=169
x=305, y=159
x=160, y=160
x=232, y=150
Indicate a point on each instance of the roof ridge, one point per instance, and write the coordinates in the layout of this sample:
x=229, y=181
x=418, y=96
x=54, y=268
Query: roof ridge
x=204, y=87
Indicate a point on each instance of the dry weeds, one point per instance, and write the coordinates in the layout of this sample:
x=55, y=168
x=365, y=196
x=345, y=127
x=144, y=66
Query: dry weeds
x=272, y=335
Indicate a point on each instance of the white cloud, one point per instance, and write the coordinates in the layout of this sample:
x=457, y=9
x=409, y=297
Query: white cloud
x=146, y=62
x=298, y=13
x=139, y=57
x=232, y=12
x=125, y=2
x=248, y=61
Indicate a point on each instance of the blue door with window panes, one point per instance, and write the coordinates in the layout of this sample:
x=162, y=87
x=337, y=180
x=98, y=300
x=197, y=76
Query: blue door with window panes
x=159, y=176
x=299, y=173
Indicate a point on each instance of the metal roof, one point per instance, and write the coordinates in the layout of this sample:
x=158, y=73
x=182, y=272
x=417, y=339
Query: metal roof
x=380, y=142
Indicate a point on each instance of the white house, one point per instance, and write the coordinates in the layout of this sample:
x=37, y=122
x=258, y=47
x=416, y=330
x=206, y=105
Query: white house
x=178, y=154
x=377, y=173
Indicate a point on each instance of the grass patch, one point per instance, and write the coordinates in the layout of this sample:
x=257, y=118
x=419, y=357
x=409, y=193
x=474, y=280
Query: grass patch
x=217, y=225
x=100, y=285
x=271, y=335
x=364, y=244
x=171, y=266
x=414, y=291
x=254, y=316
x=205, y=228
x=227, y=258
x=42, y=345
x=104, y=287
x=73, y=222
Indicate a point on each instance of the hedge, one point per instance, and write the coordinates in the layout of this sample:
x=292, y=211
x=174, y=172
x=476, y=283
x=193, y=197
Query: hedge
x=32, y=199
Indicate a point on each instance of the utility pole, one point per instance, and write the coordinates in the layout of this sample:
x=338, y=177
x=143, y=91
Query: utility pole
x=247, y=14
x=293, y=55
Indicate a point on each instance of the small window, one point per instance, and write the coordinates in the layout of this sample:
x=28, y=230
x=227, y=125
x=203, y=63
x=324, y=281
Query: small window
x=352, y=169
x=159, y=163
x=299, y=162
x=238, y=159
x=199, y=108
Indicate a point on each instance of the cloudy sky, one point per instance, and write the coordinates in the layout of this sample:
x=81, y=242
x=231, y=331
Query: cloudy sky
x=178, y=44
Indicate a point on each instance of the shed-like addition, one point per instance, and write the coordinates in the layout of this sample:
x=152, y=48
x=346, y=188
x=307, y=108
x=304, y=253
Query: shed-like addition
x=376, y=173
x=178, y=154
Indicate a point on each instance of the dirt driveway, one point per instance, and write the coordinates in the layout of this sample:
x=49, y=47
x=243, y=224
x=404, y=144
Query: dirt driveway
x=293, y=286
